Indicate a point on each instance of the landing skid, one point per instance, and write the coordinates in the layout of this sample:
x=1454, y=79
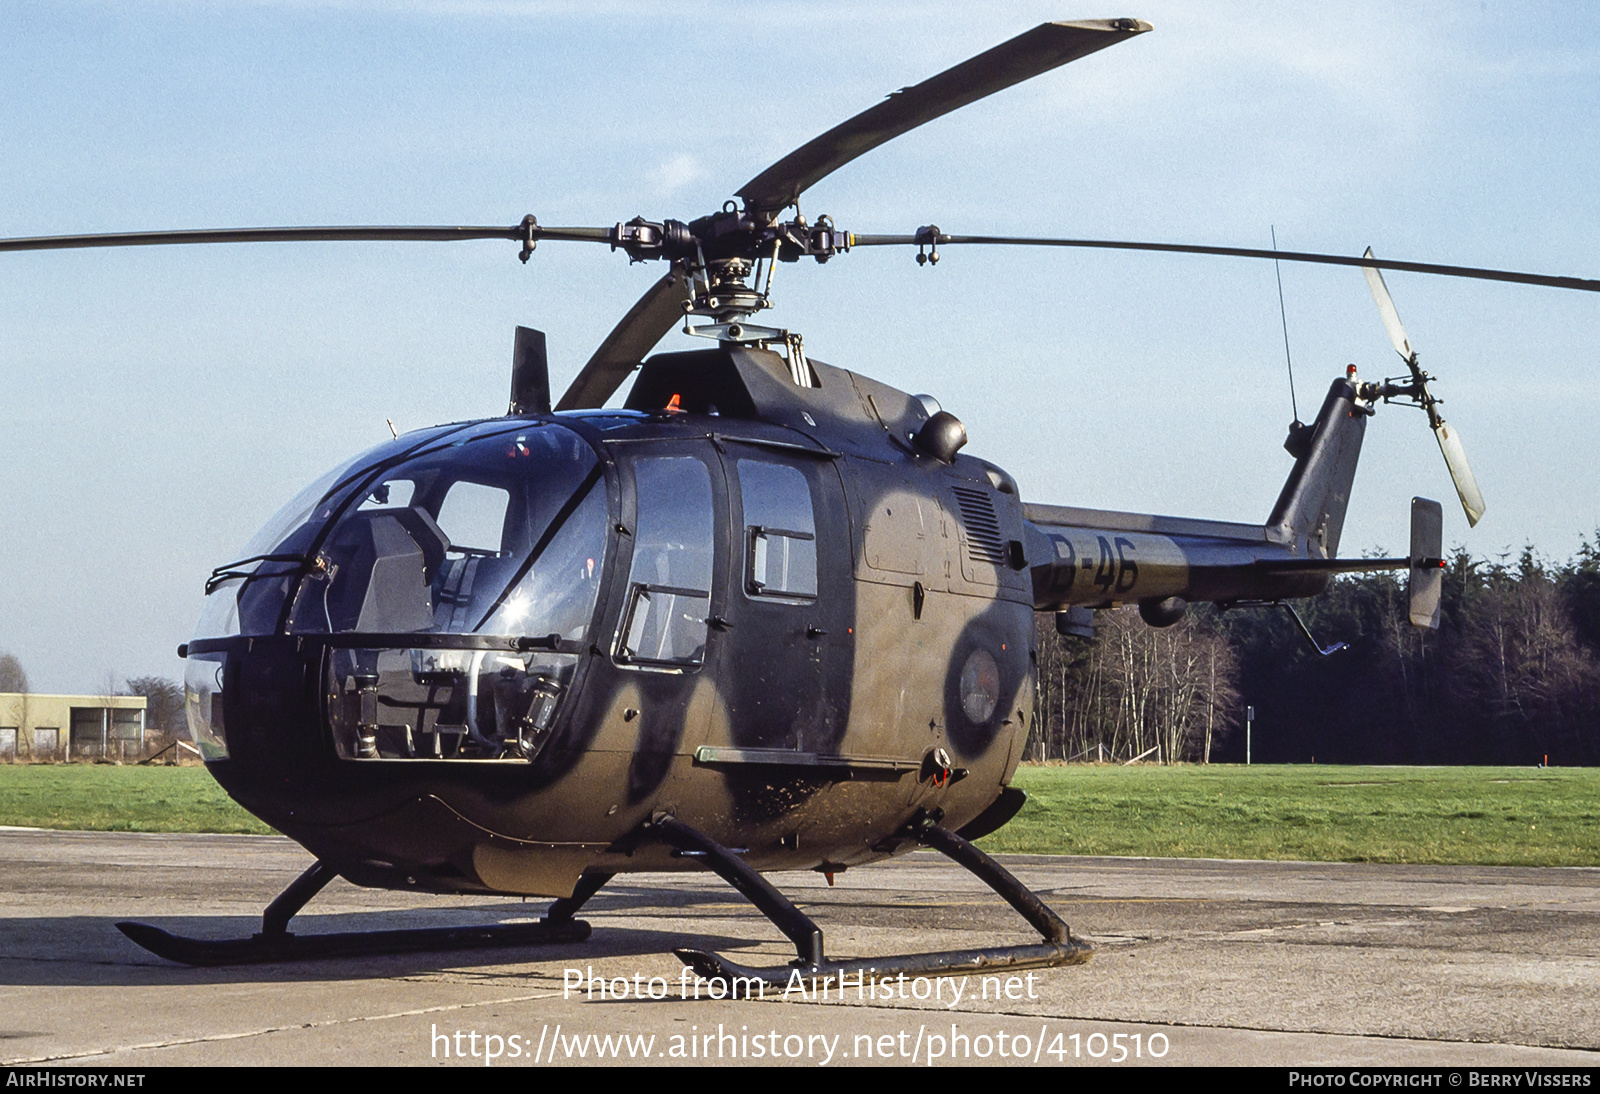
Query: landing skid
x=276, y=943
x=1058, y=948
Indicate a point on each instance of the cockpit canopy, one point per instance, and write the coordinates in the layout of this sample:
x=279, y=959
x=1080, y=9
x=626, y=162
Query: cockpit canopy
x=494, y=528
x=447, y=579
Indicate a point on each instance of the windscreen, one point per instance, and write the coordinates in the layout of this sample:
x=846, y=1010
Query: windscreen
x=491, y=529
x=429, y=553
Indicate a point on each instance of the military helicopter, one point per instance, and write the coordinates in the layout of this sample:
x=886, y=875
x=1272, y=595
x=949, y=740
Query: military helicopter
x=766, y=616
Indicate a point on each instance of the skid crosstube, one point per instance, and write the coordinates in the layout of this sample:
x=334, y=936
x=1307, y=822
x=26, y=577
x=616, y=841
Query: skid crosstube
x=276, y=943
x=1058, y=947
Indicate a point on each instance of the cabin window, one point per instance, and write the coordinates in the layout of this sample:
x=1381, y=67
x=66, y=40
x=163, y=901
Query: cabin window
x=670, y=583
x=780, y=531
x=202, y=693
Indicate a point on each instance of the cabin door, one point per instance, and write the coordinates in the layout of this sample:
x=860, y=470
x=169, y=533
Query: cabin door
x=790, y=606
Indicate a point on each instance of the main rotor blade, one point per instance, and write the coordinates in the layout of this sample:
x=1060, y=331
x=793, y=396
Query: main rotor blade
x=516, y=232
x=1545, y=280
x=1047, y=46
x=1455, y=458
x=1386, y=308
x=655, y=313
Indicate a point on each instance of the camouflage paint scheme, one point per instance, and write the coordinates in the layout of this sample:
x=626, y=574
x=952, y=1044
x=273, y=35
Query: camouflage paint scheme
x=811, y=731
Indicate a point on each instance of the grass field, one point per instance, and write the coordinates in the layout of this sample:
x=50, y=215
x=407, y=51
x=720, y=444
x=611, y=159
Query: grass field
x=107, y=798
x=1465, y=815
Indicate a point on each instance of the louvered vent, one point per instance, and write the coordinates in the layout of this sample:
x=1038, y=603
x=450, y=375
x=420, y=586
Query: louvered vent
x=983, y=527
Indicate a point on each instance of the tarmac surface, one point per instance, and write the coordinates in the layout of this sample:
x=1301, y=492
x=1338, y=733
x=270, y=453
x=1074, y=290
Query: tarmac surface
x=1196, y=962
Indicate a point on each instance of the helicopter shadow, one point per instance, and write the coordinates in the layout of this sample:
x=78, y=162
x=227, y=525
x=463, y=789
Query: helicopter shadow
x=88, y=950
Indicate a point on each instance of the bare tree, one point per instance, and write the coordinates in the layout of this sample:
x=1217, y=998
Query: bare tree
x=12, y=676
x=14, y=712
x=1134, y=689
x=164, y=701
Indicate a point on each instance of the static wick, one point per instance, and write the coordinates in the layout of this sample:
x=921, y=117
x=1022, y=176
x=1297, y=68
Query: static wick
x=393, y=432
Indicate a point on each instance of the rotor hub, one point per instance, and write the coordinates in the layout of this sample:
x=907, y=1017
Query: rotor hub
x=724, y=294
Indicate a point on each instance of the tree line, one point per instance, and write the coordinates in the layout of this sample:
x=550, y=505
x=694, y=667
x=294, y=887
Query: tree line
x=1512, y=676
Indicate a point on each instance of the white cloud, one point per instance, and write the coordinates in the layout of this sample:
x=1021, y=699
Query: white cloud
x=677, y=172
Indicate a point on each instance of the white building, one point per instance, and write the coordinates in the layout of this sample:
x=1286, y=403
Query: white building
x=70, y=727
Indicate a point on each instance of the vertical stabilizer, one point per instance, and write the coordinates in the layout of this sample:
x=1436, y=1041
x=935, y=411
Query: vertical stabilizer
x=1425, y=588
x=1310, y=511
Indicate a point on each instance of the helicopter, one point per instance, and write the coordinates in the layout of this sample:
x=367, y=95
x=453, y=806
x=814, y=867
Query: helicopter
x=767, y=615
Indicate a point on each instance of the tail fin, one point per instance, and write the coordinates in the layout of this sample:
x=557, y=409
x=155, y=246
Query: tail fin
x=1310, y=511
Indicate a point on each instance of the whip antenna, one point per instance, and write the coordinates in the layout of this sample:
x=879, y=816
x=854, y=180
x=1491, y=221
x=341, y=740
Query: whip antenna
x=1283, y=315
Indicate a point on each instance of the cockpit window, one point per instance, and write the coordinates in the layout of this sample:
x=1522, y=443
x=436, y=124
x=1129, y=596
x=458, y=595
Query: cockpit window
x=560, y=589
x=454, y=575
x=388, y=493
x=473, y=517
x=434, y=537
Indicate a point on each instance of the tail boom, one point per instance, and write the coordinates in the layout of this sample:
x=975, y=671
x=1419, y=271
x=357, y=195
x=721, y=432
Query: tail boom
x=1097, y=558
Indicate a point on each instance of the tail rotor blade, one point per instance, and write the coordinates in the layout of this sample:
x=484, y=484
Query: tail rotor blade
x=1391, y=317
x=1455, y=458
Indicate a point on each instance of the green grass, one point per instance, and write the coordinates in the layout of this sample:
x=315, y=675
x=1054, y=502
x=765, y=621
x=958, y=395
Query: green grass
x=1462, y=815
x=107, y=798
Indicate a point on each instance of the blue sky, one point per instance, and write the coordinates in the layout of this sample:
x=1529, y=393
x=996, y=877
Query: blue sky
x=157, y=405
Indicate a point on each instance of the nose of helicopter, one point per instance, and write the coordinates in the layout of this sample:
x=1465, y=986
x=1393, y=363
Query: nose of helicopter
x=427, y=600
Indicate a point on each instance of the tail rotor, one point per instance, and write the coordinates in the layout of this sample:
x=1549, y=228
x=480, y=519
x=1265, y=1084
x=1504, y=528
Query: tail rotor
x=1416, y=392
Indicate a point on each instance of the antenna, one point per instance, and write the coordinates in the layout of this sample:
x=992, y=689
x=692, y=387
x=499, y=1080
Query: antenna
x=1283, y=314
